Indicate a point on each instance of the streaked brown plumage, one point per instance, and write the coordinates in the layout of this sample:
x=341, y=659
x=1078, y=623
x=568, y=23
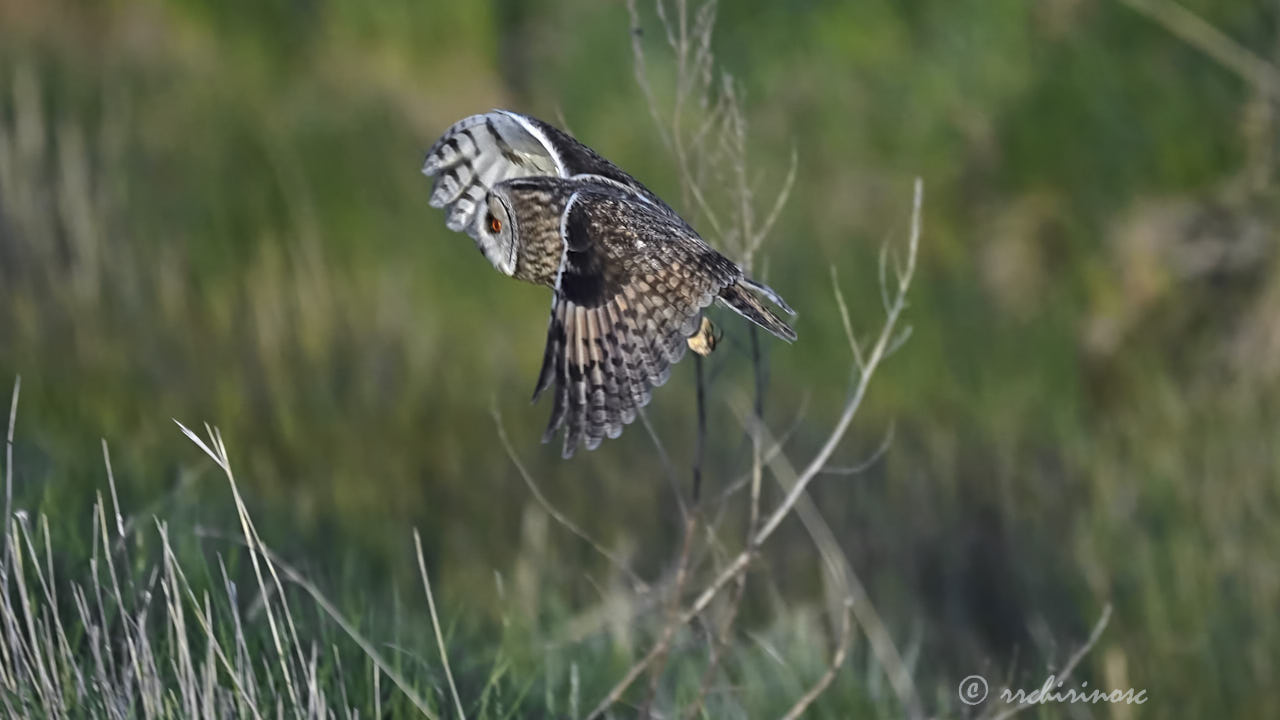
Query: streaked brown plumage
x=631, y=278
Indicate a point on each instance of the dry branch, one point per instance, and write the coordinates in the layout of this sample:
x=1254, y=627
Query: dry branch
x=740, y=563
x=842, y=649
x=638, y=584
x=887, y=332
x=1070, y=667
x=1199, y=34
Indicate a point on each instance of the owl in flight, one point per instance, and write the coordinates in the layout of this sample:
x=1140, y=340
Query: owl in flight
x=630, y=277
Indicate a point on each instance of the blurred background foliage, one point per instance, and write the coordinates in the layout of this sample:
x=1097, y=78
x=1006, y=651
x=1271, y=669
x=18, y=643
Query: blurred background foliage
x=213, y=211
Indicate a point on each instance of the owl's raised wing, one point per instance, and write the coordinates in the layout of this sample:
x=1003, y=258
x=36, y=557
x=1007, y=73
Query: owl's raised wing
x=632, y=284
x=480, y=151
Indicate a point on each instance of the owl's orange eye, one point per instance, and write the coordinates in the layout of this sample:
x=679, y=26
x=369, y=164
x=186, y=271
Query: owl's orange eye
x=495, y=224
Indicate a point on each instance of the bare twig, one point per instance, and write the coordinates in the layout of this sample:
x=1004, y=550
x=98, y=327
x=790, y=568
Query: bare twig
x=638, y=584
x=705, y=130
x=435, y=624
x=1193, y=30
x=642, y=77
x=837, y=661
x=740, y=563
x=701, y=440
x=615, y=694
x=744, y=480
x=852, y=339
x=720, y=636
x=783, y=195
x=675, y=620
x=665, y=459
x=865, y=465
x=719, y=641
x=687, y=71
x=1072, y=662
x=877, y=353
x=851, y=588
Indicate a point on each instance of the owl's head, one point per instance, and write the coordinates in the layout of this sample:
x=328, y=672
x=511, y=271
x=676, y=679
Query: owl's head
x=495, y=233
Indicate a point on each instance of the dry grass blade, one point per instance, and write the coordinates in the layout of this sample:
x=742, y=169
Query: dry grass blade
x=111, y=484
x=8, y=471
x=180, y=581
x=219, y=455
x=256, y=547
x=8, y=649
x=435, y=624
x=132, y=641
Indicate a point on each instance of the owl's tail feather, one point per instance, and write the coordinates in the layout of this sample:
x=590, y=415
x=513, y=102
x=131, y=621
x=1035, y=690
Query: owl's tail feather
x=739, y=299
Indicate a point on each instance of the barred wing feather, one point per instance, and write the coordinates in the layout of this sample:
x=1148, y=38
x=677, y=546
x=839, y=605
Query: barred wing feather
x=633, y=283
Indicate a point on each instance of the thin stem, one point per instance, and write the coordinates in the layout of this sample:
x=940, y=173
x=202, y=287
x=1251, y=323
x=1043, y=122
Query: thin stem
x=1193, y=30
x=8, y=470
x=435, y=625
x=700, y=445
x=742, y=561
x=555, y=514
x=1074, y=660
x=899, y=303
x=665, y=459
x=674, y=619
x=842, y=649
x=11, y=649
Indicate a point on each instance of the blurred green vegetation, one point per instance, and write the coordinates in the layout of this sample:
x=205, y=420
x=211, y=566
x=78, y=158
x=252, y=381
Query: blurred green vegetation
x=213, y=211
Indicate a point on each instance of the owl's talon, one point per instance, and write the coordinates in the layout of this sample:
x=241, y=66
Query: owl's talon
x=704, y=340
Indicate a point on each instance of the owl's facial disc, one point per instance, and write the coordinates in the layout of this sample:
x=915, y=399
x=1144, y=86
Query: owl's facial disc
x=495, y=234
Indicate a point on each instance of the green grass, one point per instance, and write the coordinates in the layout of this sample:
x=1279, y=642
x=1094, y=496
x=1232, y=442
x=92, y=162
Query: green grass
x=156, y=621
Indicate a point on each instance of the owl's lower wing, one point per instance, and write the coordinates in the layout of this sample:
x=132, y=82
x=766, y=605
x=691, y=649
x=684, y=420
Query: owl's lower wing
x=632, y=285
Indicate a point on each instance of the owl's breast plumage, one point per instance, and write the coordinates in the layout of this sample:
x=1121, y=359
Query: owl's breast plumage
x=538, y=258
x=539, y=245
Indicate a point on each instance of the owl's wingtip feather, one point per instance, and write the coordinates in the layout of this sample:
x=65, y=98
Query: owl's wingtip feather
x=770, y=293
x=738, y=299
